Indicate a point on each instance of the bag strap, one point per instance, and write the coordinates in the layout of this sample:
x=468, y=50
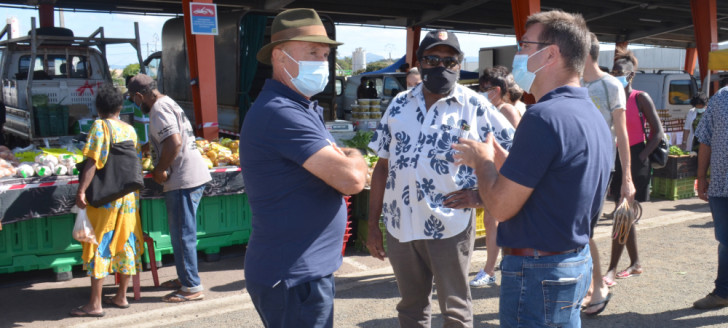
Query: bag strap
x=642, y=121
x=111, y=132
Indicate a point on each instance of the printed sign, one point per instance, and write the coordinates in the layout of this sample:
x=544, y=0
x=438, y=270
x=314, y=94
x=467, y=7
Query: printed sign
x=203, y=17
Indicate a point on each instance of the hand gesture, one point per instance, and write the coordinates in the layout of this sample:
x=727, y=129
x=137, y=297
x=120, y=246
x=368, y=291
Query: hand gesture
x=466, y=198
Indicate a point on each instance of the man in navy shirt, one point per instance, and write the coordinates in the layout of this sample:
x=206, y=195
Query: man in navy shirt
x=552, y=182
x=295, y=178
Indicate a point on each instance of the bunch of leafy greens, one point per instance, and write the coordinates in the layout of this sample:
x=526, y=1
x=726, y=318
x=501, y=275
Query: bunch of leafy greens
x=676, y=151
x=361, y=141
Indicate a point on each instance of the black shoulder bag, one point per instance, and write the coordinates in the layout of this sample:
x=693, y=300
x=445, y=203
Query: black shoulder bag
x=658, y=157
x=121, y=175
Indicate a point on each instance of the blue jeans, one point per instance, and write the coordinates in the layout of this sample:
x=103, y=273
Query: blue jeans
x=719, y=208
x=182, y=217
x=544, y=291
x=310, y=304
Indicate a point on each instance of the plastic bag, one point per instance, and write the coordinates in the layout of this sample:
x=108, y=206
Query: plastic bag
x=82, y=230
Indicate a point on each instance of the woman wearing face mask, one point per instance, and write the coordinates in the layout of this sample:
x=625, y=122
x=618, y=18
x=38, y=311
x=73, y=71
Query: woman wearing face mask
x=494, y=87
x=640, y=109
x=691, y=121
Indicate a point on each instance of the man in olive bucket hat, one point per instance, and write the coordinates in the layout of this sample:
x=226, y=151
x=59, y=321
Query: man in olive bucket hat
x=295, y=178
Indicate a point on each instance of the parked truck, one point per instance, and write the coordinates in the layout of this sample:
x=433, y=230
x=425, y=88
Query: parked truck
x=239, y=75
x=49, y=79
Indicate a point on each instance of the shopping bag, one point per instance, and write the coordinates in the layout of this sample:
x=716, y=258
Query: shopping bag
x=83, y=231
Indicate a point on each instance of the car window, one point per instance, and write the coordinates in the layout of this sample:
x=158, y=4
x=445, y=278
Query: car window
x=338, y=87
x=24, y=64
x=56, y=66
x=680, y=92
x=153, y=67
x=391, y=87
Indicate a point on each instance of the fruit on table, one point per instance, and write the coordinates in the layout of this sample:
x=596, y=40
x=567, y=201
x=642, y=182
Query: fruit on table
x=147, y=164
x=217, y=154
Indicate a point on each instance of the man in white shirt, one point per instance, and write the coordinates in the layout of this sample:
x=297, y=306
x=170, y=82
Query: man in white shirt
x=425, y=199
x=608, y=96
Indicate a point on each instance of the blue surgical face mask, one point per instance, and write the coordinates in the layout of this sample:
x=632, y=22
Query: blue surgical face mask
x=623, y=79
x=520, y=72
x=700, y=110
x=312, y=76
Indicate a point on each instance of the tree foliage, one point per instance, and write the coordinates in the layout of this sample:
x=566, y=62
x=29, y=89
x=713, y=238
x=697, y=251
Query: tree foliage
x=131, y=70
x=344, y=63
x=377, y=65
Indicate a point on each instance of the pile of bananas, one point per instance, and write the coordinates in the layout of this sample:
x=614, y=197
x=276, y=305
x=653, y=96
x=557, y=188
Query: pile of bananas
x=219, y=153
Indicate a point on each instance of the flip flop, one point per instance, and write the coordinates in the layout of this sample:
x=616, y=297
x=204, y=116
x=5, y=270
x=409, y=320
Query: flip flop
x=82, y=313
x=605, y=301
x=177, y=297
x=626, y=273
x=171, y=284
x=609, y=283
x=108, y=300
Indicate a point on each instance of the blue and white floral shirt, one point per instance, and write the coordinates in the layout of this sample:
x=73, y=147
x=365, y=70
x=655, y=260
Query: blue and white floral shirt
x=713, y=131
x=421, y=165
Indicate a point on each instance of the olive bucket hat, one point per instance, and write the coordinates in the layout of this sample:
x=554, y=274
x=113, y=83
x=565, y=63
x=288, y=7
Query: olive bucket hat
x=295, y=25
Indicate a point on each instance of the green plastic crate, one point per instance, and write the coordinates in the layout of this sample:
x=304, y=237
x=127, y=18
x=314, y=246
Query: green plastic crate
x=673, y=189
x=43, y=243
x=221, y=221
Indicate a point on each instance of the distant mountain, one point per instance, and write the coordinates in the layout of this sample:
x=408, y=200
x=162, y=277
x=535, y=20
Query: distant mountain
x=373, y=57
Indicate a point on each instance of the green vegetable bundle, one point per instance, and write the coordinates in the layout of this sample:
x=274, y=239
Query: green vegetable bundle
x=676, y=151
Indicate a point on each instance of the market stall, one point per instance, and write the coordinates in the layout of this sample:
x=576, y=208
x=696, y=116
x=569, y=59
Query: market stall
x=36, y=218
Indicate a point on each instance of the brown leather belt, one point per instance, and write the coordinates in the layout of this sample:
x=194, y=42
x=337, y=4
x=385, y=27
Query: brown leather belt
x=535, y=252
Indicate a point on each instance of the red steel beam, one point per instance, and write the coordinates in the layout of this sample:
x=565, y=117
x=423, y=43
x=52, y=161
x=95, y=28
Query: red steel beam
x=413, y=42
x=45, y=14
x=690, y=57
x=201, y=57
x=521, y=10
x=705, y=25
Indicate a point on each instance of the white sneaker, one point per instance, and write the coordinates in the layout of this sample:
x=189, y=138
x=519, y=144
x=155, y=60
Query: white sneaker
x=482, y=279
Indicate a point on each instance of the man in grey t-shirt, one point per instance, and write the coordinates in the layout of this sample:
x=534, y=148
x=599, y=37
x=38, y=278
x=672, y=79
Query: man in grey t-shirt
x=607, y=93
x=180, y=169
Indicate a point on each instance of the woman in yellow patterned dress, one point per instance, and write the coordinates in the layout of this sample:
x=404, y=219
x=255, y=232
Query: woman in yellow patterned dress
x=117, y=225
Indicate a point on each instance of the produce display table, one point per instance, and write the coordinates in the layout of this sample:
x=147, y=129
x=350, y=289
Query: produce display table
x=25, y=199
x=37, y=223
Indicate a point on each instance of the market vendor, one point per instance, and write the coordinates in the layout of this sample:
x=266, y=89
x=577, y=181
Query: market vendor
x=179, y=167
x=295, y=177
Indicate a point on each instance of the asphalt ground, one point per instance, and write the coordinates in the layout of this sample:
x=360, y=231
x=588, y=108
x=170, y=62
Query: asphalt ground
x=675, y=240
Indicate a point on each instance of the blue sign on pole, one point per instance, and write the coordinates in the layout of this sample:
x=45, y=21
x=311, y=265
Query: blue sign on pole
x=203, y=18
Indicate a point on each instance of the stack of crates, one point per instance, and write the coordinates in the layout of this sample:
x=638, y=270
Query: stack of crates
x=41, y=243
x=347, y=233
x=677, y=179
x=673, y=189
x=479, y=223
x=221, y=221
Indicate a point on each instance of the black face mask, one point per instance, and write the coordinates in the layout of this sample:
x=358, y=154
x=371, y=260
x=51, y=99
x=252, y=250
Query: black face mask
x=145, y=109
x=439, y=80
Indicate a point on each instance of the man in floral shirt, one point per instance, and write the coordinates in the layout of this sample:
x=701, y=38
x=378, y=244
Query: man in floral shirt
x=425, y=199
x=712, y=133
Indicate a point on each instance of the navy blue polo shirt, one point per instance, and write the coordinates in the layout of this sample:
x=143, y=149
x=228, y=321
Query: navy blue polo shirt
x=298, y=220
x=562, y=149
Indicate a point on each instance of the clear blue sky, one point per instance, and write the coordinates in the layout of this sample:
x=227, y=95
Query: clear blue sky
x=376, y=40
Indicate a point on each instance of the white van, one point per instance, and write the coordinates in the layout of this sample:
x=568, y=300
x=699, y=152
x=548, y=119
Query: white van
x=669, y=91
x=387, y=85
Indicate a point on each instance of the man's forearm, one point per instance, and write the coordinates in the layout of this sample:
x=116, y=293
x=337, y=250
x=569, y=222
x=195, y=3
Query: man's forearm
x=625, y=160
x=487, y=175
x=703, y=160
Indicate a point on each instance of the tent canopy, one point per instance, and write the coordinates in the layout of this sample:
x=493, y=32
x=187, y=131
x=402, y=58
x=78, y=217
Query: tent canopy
x=464, y=75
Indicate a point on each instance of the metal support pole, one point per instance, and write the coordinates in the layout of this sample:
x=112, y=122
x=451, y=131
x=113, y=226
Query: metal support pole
x=203, y=82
